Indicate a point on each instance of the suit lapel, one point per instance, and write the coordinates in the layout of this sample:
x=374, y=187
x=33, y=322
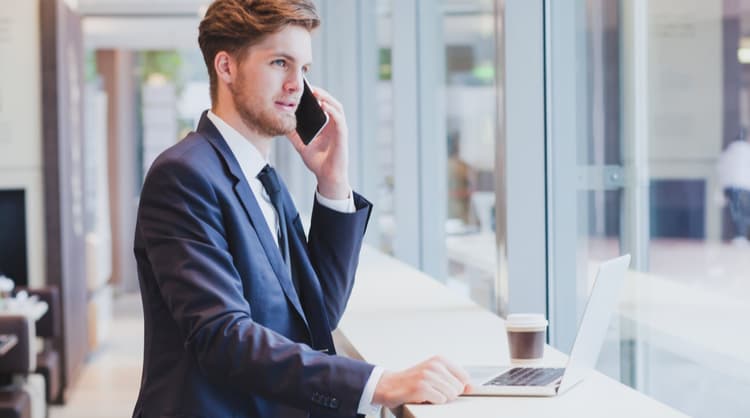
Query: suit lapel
x=309, y=282
x=250, y=205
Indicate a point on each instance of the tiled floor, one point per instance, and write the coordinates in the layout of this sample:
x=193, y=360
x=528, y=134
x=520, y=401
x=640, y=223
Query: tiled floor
x=109, y=383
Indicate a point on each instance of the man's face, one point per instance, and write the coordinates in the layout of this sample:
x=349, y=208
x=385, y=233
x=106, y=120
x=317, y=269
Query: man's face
x=268, y=84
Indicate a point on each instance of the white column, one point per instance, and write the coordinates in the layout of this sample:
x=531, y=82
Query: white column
x=524, y=160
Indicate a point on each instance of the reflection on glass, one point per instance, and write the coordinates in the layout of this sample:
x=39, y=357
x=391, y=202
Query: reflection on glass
x=467, y=41
x=471, y=90
x=384, y=97
x=658, y=158
x=174, y=92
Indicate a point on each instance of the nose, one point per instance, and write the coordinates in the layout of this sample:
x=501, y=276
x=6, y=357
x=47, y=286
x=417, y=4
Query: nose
x=293, y=84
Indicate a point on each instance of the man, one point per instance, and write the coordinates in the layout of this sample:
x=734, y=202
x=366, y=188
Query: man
x=734, y=178
x=238, y=304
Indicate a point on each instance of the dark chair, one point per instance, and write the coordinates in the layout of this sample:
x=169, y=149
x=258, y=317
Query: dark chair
x=14, y=404
x=48, y=329
x=15, y=401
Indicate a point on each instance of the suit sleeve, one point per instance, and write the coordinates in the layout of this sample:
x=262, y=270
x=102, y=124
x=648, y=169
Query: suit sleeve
x=334, y=243
x=180, y=226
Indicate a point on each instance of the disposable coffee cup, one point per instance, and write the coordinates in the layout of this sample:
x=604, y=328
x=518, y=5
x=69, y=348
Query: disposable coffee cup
x=526, y=337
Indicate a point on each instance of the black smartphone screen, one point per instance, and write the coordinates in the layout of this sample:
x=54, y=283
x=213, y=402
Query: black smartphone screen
x=310, y=117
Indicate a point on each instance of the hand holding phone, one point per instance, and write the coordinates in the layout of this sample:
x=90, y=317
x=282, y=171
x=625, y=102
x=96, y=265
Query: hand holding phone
x=328, y=157
x=311, y=119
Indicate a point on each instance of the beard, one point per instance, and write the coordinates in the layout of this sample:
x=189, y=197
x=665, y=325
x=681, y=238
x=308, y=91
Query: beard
x=257, y=115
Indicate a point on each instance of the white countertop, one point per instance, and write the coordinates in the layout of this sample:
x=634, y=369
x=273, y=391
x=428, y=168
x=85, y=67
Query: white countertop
x=693, y=286
x=398, y=316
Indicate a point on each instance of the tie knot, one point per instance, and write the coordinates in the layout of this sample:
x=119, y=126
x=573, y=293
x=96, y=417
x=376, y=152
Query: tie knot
x=270, y=180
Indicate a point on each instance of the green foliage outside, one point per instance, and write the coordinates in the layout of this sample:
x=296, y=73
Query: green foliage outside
x=166, y=63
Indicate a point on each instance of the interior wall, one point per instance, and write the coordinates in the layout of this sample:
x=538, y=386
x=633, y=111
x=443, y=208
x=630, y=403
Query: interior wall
x=63, y=167
x=20, y=122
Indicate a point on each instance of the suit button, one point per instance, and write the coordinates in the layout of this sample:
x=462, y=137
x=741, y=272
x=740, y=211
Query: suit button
x=334, y=404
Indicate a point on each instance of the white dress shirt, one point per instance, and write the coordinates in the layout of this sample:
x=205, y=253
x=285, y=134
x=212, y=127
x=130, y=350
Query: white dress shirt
x=734, y=165
x=252, y=162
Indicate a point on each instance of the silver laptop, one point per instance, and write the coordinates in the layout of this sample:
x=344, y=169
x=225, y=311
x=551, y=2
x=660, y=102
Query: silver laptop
x=548, y=381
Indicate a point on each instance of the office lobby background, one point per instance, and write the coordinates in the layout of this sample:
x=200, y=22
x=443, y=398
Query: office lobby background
x=508, y=146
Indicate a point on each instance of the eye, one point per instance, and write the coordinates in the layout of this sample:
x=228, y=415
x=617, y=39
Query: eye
x=279, y=63
x=306, y=69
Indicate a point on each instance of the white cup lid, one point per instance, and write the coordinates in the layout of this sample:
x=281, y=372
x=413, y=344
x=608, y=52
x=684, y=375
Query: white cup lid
x=526, y=322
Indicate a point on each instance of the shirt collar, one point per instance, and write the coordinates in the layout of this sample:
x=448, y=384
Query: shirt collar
x=250, y=159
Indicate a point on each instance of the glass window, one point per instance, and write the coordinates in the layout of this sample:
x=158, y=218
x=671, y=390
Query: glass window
x=648, y=156
x=174, y=93
x=384, y=102
x=436, y=139
x=470, y=45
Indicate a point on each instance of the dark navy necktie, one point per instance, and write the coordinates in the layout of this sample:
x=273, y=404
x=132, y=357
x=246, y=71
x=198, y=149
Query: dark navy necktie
x=271, y=183
x=313, y=305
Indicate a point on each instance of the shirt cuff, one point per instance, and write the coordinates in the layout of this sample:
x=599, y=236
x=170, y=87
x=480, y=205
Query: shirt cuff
x=342, y=205
x=366, y=407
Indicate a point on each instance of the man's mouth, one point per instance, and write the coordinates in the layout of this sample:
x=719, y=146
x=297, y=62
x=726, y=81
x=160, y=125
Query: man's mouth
x=286, y=105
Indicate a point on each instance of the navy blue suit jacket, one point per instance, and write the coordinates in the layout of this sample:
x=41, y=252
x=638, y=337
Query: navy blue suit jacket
x=226, y=334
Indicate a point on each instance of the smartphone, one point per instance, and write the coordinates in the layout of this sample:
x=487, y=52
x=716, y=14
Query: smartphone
x=311, y=119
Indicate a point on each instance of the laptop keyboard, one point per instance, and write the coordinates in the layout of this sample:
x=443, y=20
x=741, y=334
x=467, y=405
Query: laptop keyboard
x=527, y=376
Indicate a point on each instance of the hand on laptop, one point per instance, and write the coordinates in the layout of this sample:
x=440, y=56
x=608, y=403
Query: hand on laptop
x=433, y=381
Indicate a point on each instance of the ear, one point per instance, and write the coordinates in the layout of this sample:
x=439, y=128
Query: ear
x=225, y=67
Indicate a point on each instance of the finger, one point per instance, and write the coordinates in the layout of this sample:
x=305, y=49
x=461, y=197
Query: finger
x=468, y=389
x=447, y=385
x=325, y=96
x=456, y=384
x=331, y=109
x=433, y=396
x=330, y=105
x=334, y=104
x=333, y=113
x=296, y=141
x=459, y=372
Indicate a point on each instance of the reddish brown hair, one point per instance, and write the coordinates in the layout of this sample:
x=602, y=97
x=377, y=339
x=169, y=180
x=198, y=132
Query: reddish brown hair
x=234, y=25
